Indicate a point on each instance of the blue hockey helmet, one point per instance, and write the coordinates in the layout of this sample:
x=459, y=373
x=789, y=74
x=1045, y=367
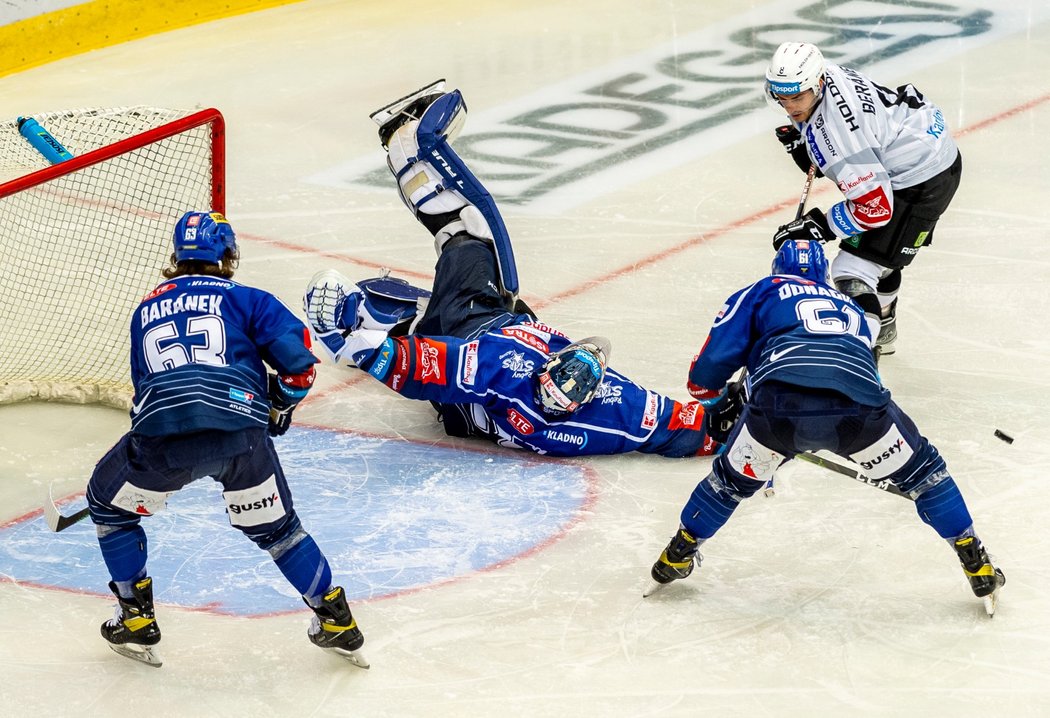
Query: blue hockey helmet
x=802, y=258
x=570, y=378
x=203, y=236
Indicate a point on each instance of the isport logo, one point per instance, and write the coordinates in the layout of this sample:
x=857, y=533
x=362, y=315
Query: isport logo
x=682, y=101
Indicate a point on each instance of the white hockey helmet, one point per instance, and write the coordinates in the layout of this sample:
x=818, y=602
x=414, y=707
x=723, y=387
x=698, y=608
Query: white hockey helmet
x=795, y=68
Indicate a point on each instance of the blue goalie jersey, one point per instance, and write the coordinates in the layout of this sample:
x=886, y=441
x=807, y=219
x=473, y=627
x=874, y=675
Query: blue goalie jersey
x=198, y=344
x=795, y=331
x=494, y=378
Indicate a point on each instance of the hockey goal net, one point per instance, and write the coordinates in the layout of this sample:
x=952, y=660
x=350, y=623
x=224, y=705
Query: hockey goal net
x=81, y=241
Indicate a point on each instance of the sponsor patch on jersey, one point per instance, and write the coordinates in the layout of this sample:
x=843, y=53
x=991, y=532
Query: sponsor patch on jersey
x=431, y=360
x=872, y=208
x=841, y=218
x=470, y=363
x=523, y=334
x=885, y=456
x=516, y=363
x=158, y=291
x=139, y=501
x=846, y=185
x=567, y=437
x=811, y=140
x=397, y=379
x=687, y=416
x=545, y=331
x=751, y=458
x=937, y=128
x=384, y=360
x=652, y=407
x=239, y=395
x=519, y=423
x=608, y=393
x=255, y=506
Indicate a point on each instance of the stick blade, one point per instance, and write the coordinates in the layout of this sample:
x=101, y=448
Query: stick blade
x=55, y=520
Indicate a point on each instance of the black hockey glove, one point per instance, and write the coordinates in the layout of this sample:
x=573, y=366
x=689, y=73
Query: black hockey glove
x=788, y=136
x=285, y=394
x=813, y=225
x=722, y=415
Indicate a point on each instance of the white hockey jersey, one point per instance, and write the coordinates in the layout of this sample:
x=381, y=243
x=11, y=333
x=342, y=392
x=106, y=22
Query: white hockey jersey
x=871, y=140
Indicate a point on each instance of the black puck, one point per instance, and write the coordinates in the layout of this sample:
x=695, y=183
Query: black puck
x=1005, y=437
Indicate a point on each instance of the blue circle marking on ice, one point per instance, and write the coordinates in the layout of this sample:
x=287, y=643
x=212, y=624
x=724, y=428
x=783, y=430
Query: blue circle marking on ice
x=390, y=515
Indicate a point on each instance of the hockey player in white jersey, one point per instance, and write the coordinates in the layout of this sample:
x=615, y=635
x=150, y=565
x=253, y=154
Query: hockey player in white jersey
x=892, y=156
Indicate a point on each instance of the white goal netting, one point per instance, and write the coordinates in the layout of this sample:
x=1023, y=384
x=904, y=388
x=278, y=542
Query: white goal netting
x=81, y=241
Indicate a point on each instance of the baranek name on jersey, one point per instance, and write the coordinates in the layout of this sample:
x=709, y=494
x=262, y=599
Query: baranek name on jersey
x=202, y=303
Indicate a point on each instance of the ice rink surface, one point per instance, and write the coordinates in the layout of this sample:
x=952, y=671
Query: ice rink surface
x=635, y=163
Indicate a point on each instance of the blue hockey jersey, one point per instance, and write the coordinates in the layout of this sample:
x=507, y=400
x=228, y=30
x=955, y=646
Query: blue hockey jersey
x=198, y=344
x=795, y=331
x=495, y=375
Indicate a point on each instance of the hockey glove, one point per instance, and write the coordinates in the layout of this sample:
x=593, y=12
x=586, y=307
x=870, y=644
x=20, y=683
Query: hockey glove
x=788, y=136
x=285, y=393
x=722, y=415
x=813, y=225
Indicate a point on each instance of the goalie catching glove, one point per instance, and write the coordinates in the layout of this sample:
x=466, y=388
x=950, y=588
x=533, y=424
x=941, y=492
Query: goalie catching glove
x=813, y=225
x=352, y=320
x=285, y=393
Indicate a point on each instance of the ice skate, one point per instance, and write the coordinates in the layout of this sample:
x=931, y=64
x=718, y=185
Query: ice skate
x=133, y=630
x=887, y=338
x=334, y=629
x=985, y=579
x=410, y=107
x=676, y=561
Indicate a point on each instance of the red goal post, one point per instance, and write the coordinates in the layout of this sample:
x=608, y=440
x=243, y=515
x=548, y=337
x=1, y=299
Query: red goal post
x=83, y=240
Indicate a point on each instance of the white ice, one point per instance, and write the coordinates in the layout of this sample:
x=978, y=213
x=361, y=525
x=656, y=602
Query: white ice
x=831, y=598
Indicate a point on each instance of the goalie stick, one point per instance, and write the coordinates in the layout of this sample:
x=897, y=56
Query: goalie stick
x=56, y=521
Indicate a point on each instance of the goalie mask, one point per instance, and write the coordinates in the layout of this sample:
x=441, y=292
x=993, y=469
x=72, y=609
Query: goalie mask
x=203, y=236
x=802, y=258
x=570, y=378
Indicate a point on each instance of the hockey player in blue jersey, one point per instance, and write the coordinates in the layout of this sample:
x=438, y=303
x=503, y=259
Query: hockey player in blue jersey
x=811, y=384
x=488, y=365
x=205, y=405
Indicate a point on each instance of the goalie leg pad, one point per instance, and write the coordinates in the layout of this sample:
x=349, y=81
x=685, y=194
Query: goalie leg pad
x=435, y=183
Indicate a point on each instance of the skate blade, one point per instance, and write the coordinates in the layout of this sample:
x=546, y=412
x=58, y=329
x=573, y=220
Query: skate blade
x=653, y=587
x=355, y=657
x=991, y=602
x=388, y=112
x=142, y=654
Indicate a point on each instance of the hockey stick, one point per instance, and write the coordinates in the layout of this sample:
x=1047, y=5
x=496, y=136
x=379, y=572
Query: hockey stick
x=881, y=484
x=805, y=191
x=769, y=490
x=55, y=520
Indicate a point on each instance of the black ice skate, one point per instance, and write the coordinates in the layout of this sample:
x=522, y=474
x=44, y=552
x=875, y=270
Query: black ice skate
x=133, y=630
x=675, y=562
x=884, y=343
x=334, y=628
x=985, y=579
x=410, y=107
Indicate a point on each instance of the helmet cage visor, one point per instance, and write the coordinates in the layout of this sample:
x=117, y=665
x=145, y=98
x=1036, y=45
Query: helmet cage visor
x=570, y=378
